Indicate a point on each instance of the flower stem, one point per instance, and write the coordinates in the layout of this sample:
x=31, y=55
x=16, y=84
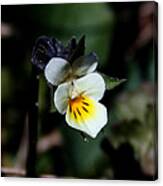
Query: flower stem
x=32, y=124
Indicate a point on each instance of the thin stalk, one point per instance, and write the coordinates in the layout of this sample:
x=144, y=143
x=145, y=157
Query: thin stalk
x=32, y=124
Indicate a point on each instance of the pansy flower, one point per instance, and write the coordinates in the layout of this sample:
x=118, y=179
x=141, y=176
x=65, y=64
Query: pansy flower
x=78, y=99
x=79, y=87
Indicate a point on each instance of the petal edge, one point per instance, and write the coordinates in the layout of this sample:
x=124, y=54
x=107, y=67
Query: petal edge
x=57, y=70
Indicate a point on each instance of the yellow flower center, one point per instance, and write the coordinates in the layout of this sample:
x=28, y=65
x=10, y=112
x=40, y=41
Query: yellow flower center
x=81, y=108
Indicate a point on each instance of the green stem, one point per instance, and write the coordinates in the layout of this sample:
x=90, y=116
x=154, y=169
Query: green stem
x=32, y=124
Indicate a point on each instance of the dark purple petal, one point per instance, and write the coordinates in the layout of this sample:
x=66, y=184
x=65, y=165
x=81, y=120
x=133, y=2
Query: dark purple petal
x=78, y=50
x=46, y=48
x=43, y=51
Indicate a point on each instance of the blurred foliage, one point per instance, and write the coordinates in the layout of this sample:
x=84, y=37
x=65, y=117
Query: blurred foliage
x=64, y=21
x=117, y=32
x=136, y=116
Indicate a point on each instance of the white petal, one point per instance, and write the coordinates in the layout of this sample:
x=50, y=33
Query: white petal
x=90, y=125
x=57, y=70
x=92, y=85
x=92, y=68
x=61, y=96
x=85, y=65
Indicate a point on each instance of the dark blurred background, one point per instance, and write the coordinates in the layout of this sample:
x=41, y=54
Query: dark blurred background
x=124, y=36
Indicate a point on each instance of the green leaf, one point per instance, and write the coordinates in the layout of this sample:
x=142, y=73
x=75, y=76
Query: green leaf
x=111, y=82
